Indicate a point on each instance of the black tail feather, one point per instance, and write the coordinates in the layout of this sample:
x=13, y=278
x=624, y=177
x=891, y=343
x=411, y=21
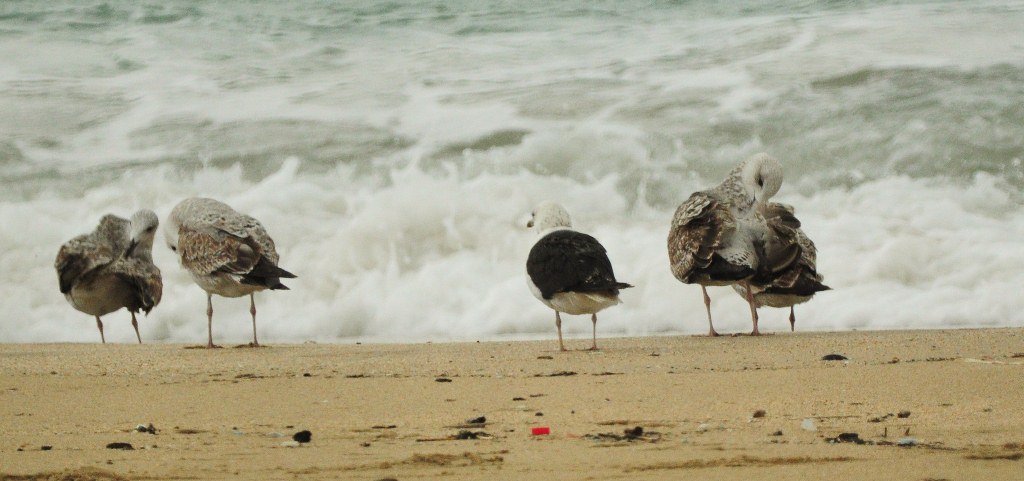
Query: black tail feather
x=266, y=274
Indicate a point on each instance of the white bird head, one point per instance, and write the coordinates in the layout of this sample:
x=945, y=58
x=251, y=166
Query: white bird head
x=143, y=230
x=761, y=177
x=171, y=228
x=549, y=215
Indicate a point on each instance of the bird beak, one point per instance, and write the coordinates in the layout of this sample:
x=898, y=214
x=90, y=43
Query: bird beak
x=529, y=224
x=131, y=247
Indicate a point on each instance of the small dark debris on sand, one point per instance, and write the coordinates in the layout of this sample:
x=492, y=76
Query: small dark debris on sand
x=124, y=446
x=142, y=428
x=544, y=357
x=384, y=426
x=466, y=434
x=478, y=420
x=846, y=438
x=461, y=435
x=760, y=413
x=628, y=435
x=903, y=414
x=303, y=436
x=443, y=379
x=557, y=374
x=45, y=447
x=777, y=433
x=833, y=357
x=518, y=398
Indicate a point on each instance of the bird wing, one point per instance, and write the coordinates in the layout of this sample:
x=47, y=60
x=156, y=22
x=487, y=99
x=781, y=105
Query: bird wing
x=698, y=227
x=143, y=278
x=570, y=261
x=88, y=252
x=208, y=249
x=791, y=256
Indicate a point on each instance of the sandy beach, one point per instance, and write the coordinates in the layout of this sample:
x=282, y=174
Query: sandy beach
x=924, y=405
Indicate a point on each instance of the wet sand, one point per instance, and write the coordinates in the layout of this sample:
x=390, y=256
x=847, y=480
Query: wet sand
x=729, y=408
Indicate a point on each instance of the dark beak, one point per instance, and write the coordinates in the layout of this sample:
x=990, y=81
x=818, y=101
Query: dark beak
x=529, y=225
x=131, y=248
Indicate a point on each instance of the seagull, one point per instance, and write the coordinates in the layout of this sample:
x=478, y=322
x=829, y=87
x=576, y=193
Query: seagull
x=112, y=267
x=227, y=253
x=793, y=279
x=569, y=271
x=718, y=235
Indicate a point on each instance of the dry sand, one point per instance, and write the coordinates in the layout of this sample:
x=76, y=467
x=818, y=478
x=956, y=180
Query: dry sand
x=385, y=411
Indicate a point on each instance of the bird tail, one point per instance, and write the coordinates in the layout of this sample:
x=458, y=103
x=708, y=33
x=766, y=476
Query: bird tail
x=268, y=275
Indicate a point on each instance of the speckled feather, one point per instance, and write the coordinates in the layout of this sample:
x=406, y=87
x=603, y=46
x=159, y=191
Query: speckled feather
x=88, y=252
x=793, y=276
x=143, y=278
x=698, y=227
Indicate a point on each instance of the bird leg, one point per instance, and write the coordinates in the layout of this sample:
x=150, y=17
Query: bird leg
x=558, y=325
x=135, y=324
x=707, y=305
x=792, y=320
x=252, y=310
x=99, y=324
x=593, y=319
x=753, y=310
x=209, y=320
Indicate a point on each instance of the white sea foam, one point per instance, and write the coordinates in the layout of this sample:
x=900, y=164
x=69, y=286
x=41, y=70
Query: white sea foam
x=435, y=257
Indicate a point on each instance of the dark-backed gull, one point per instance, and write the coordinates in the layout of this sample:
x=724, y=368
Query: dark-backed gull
x=569, y=271
x=112, y=267
x=227, y=253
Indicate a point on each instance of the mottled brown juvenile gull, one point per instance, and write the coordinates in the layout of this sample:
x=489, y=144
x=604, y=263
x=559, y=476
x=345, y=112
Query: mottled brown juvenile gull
x=227, y=253
x=793, y=277
x=112, y=267
x=569, y=271
x=718, y=236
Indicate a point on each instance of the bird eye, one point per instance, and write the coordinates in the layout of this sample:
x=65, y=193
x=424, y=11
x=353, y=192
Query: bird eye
x=760, y=181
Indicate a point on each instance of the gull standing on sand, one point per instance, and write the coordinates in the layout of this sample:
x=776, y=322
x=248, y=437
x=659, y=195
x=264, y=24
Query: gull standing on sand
x=718, y=235
x=787, y=284
x=112, y=267
x=569, y=271
x=227, y=253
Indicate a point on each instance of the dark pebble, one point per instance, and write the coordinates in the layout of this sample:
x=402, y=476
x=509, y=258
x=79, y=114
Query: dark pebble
x=634, y=433
x=903, y=414
x=303, y=436
x=517, y=398
x=833, y=357
x=124, y=446
x=847, y=438
x=760, y=413
x=467, y=435
x=479, y=420
x=539, y=414
x=306, y=374
x=45, y=448
x=777, y=433
x=443, y=379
